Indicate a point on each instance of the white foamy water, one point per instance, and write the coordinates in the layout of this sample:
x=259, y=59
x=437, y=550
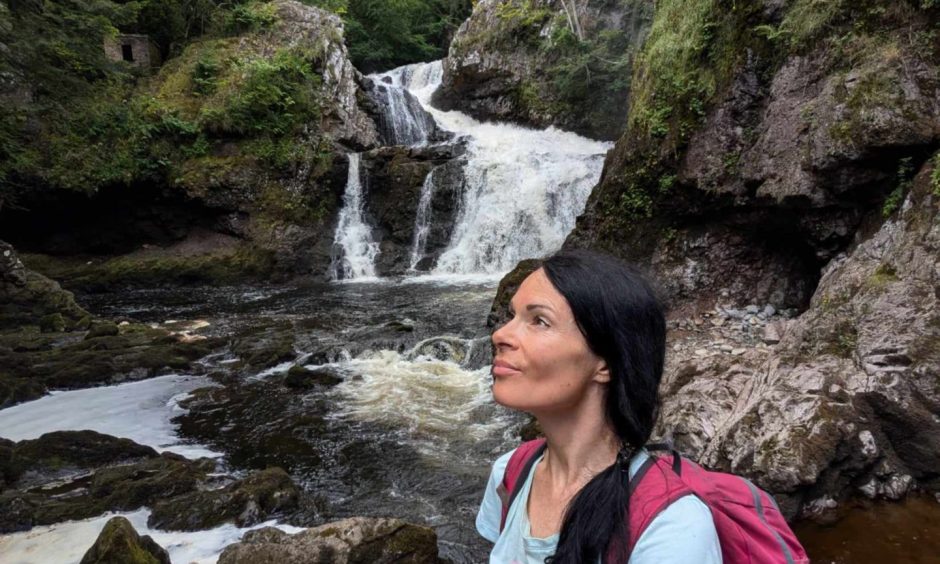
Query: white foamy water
x=354, y=248
x=525, y=187
x=424, y=395
x=140, y=411
x=422, y=220
x=67, y=542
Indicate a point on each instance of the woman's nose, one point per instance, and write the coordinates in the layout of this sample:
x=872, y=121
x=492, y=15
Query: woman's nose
x=503, y=336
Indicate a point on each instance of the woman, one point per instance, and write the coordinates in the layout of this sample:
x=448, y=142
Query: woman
x=583, y=352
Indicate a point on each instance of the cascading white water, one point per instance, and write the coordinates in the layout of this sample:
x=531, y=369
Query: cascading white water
x=405, y=121
x=422, y=221
x=354, y=248
x=524, y=187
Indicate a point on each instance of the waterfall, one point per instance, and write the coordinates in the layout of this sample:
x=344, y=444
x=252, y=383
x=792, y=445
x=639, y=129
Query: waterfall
x=422, y=221
x=354, y=250
x=524, y=187
x=404, y=120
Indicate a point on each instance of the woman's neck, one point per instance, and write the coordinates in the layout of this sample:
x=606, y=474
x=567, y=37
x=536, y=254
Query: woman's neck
x=581, y=443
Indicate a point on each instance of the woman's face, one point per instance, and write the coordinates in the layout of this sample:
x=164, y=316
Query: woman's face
x=543, y=363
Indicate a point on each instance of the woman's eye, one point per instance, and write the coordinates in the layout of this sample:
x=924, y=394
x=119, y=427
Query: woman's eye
x=541, y=321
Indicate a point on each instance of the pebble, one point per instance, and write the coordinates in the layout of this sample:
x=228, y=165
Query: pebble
x=701, y=352
x=726, y=348
x=769, y=310
x=677, y=347
x=738, y=352
x=752, y=309
x=718, y=321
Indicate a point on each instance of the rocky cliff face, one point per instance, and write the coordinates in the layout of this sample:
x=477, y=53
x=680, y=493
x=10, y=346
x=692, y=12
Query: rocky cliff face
x=249, y=177
x=796, y=168
x=546, y=62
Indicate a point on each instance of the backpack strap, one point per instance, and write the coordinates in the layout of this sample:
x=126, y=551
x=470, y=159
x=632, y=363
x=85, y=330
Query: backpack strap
x=653, y=488
x=520, y=464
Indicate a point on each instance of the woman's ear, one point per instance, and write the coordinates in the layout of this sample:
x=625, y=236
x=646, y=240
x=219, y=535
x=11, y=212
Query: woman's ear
x=602, y=374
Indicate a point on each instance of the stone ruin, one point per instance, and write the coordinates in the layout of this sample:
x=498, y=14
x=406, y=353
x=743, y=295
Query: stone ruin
x=137, y=50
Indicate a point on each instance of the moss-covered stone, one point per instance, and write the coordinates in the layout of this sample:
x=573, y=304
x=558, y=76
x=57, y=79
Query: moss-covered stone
x=245, y=502
x=81, y=474
x=31, y=362
x=119, y=543
x=29, y=298
x=102, y=329
x=357, y=540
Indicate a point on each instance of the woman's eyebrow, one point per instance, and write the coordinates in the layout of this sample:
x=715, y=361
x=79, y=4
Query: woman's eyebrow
x=530, y=307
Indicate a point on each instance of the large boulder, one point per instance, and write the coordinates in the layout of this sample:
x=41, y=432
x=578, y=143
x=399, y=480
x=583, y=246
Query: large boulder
x=119, y=543
x=27, y=297
x=357, y=540
x=546, y=62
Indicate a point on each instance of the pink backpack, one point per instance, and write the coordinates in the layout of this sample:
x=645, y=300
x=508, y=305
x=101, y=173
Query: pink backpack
x=750, y=527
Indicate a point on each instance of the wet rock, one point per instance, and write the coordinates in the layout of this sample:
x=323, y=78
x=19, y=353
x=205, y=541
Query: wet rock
x=245, y=502
x=358, y=540
x=530, y=430
x=302, y=378
x=393, y=178
x=36, y=361
x=119, y=543
x=81, y=474
x=29, y=298
x=257, y=424
x=71, y=449
x=265, y=346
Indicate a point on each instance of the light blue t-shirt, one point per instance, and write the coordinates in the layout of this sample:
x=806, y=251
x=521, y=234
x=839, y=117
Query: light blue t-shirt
x=684, y=532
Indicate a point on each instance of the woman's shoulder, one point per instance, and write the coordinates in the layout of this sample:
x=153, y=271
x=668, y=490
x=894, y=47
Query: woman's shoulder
x=684, y=531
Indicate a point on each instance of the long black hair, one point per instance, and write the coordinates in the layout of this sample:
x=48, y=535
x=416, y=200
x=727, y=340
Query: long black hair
x=622, y=321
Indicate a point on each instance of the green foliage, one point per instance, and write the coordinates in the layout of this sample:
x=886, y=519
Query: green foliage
x=523, y=17
x=205, y=75
x=594, y=73
x=692, y=49
x=905, y=176
x=935, y=176
x=250, y=17
x=264, y=96
x=383, y=34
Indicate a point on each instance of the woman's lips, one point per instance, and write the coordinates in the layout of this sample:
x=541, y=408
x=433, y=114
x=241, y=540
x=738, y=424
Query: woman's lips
x=503, y=368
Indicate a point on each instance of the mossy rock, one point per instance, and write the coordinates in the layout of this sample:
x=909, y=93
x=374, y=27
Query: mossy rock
x=119, y=543
x=79, y=449
x=245, y=502
x=41, y=361
x=52, y=323
x=102, y=329
x=357, y=540
x=265, y=347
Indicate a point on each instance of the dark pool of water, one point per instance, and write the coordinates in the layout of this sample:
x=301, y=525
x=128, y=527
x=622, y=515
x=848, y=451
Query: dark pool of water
x=877, y=533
